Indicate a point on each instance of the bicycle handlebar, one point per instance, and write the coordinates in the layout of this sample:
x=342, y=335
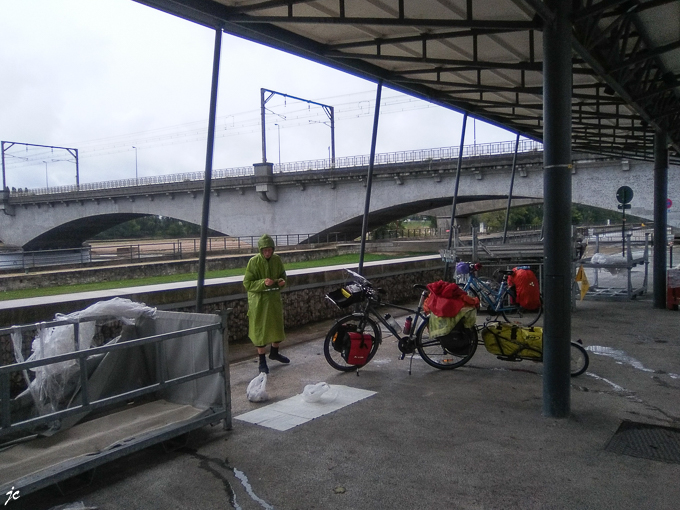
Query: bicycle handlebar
x=359, y=279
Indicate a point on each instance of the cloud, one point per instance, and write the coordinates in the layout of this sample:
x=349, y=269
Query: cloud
x=108, y=75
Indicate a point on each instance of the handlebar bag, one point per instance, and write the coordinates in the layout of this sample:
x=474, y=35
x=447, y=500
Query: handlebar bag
x=356, y=348
x=510, y=340
x=526, y=287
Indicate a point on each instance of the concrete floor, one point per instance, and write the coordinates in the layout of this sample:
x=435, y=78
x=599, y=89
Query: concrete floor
x=471, y=438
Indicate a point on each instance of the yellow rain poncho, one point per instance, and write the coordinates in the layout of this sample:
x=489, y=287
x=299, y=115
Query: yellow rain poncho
x=265, y=309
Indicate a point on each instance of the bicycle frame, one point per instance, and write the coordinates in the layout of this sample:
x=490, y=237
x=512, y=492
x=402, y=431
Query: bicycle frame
x=372, y=303
x=371, y=309
x=493, y=299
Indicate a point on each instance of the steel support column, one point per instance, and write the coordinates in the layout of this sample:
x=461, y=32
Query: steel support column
x=512, y=184
x=2, y=155
x=455, y=192
x=660, y=217
x=557, y=84
x=208, y=171
x=369, y=178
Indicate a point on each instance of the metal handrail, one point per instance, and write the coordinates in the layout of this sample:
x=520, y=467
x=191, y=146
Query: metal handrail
x=410, y=156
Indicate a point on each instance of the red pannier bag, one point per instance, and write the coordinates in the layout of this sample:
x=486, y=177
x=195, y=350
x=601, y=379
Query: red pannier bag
x=526, y=287
x=356, y=348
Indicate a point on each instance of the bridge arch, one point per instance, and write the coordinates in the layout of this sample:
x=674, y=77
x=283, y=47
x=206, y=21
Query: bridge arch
x=322, y=201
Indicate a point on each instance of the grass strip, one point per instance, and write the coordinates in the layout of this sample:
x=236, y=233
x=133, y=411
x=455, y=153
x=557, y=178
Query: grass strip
x=154, y=280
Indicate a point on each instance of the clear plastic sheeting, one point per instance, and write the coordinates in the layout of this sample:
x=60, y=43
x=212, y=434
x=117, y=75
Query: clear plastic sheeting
x=53, y=386
x=49, y=385
x=116, y=307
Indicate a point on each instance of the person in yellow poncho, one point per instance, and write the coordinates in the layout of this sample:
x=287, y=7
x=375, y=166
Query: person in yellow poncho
x=265, y=276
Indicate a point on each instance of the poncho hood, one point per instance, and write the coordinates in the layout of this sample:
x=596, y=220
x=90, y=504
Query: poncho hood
x=265, y=241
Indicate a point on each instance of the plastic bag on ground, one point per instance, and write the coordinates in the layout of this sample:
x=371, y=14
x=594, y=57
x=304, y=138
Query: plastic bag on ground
x=314, y=392
x=257, y=389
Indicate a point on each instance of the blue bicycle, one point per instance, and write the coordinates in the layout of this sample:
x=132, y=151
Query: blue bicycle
x=497, y=299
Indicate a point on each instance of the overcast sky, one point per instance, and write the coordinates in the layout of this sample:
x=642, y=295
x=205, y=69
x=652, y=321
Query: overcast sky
x=105, y=76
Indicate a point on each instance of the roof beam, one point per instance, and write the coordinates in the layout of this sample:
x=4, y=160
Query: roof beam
x=458, y=34
x=471, y=64
x=393, y=22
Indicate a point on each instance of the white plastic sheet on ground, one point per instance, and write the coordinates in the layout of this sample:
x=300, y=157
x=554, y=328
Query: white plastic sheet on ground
x=294, y=411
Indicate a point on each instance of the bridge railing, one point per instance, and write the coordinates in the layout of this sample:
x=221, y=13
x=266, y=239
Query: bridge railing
x=410, y=156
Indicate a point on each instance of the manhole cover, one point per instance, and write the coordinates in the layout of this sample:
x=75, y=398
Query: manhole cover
x=646, y=441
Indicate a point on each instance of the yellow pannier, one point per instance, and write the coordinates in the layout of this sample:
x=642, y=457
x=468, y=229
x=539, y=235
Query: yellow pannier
x=510, y=340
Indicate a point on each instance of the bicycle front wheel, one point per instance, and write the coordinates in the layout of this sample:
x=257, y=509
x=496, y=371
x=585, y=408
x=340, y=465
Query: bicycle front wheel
x=439, y=353
x=515, y=314
x=579, y=359
x=356, y=323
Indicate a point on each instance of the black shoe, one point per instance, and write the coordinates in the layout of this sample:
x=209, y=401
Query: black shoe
x=274, y=354
x=279, y=357
x=263, y=364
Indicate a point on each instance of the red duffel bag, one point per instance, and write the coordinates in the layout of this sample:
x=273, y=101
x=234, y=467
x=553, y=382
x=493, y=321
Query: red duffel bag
x=526, y=287
x=447, y=299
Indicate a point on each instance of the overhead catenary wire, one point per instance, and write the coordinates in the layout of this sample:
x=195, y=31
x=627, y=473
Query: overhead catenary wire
x=233, y=124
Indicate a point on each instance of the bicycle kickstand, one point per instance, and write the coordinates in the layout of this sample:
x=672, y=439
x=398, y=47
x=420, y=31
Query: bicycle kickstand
x=410, y=363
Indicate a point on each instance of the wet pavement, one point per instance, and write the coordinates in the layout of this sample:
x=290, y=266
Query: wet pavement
x=470, y=438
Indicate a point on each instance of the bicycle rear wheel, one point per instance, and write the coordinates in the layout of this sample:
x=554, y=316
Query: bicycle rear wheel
x=356, y=323
x=515, y=314
x=435, y=353
x=579, y=359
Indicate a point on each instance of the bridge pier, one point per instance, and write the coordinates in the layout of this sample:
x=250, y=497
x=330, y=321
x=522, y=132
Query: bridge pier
x=264, y=181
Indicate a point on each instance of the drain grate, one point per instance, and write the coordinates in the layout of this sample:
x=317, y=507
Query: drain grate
x=646, y=441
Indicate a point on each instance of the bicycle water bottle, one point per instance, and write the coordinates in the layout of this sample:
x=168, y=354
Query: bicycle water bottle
x=407, y=325
x=390, y=320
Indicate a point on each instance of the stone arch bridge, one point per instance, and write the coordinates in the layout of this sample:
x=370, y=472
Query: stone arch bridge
x=323, y=201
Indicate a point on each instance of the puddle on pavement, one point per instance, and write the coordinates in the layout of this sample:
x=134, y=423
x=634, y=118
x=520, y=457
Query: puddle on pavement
x=208, y=463
x=618, y=355
x=246, y=485
x=612, y=384
x=623, y=358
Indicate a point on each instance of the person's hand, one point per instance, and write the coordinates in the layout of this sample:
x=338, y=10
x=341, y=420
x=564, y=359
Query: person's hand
x=282, y=282
x=268, y=282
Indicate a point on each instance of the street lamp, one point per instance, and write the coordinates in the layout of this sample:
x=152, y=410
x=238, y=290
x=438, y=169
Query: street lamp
x=278, y=128
x=136, y=175
x=331, y=125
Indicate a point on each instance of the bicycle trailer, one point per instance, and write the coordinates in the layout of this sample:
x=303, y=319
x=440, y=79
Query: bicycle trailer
x=512, y=341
